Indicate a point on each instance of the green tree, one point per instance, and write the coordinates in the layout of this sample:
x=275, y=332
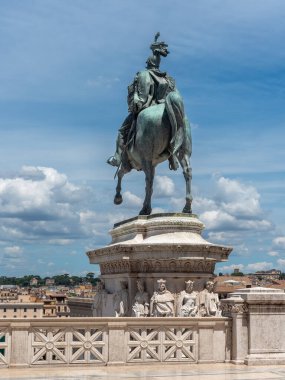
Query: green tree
x=237, y=274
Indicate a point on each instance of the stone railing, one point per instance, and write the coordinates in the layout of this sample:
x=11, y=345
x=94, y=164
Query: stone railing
x=110, y=341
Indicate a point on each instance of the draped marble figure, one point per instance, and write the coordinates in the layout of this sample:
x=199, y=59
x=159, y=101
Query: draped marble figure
x=162, y=301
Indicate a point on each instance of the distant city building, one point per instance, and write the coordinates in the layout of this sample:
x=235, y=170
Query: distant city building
x=50, y=282
x=55, y=305
x=8, y=293
x=80, y=307
x=4, y=287
x=21, y=310
x=34, y=281
x=272, y=274
x=225, y=285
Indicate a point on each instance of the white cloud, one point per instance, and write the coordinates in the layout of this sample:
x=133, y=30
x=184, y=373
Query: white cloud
x=281, y=263
x=237, y=198
x=40, y=203
x=217, y=219
x=13, y=250
x=203, y=204
x=273, y=253
x=252, y=267
x=178, y=203
x=279, y=241
x=131, y=200
x=241, y=250
x=234, y=207
x=60, y=241
x=259, y=266
x=163, y=186
x=231, y=268
x=229, y=237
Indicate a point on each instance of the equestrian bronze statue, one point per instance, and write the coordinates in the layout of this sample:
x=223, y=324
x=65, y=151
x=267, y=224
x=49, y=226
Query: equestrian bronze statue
x=155, y=130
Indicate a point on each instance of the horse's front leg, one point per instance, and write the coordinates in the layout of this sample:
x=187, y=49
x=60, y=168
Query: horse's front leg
x=118, y=199
x=149, y=170
x=187, y=172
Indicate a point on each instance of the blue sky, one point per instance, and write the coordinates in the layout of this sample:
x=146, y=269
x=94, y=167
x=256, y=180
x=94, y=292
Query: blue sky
x=64, y=71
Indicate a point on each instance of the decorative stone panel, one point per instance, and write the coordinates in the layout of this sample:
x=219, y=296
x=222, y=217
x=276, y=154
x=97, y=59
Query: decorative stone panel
x=4, y=347
x=68, y=346
x=161, y=345
x=88, y=346
x=49, y=346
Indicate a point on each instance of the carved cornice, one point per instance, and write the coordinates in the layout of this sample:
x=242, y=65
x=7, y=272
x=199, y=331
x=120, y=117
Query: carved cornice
x=157, y=266
x=236, y=308
x=164, y=251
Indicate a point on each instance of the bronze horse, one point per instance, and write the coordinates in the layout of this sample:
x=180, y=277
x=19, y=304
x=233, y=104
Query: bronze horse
x=154, y=126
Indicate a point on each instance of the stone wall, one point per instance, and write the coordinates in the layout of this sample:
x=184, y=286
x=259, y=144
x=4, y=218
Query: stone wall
x=80, y=307
x=258, y=320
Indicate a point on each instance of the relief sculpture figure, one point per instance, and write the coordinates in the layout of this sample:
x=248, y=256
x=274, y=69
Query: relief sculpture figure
x=100, y=299
x=162, y=301
x=209, y=304
x=121, y=301
x=141, y=302
x=187, y=305
x=156, y=128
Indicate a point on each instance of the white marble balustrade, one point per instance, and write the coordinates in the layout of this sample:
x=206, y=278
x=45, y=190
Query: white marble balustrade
x=111, y=341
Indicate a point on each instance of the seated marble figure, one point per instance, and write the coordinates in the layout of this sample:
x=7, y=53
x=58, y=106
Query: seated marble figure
x=187, y=303
x=141, y=301
x=209, y=304
x=162, y=301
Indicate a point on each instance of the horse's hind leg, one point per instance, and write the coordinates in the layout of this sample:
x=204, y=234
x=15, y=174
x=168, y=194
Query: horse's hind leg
x=118, y=199
x=187, y=172
x=149, y=170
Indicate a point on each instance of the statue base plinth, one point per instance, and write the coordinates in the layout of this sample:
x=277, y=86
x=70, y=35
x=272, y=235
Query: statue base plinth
x=168, y=246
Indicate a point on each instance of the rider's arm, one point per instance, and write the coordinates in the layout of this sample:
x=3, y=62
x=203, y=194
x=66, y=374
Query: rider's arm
x=144, y=84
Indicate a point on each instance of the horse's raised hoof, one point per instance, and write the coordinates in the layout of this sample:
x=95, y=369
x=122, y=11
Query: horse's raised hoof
x=118, y=199
x=173, y=163
x=145, y=211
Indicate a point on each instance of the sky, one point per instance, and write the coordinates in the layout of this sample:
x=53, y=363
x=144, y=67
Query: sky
x=64, y=70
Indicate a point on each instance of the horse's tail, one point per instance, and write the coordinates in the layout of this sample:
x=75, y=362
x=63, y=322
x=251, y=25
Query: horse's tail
x=175, y=111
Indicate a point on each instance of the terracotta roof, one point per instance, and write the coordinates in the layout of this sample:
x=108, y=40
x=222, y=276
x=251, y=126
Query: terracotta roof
x=223, y=286
x=244, y=280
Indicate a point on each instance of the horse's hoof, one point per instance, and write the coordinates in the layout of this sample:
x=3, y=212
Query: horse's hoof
x=118, y=199
x=187, y=210
x=145, y=211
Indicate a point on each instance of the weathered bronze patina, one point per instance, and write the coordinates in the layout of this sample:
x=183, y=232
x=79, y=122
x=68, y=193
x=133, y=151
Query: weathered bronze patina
x=156, y=128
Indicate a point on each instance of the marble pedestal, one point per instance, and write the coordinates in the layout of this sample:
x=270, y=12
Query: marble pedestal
x=168, y=246
x=258, y=332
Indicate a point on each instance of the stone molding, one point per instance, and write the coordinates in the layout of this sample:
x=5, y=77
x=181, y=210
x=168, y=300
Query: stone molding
x=157, y=266
x=219, y=253
x=233, y=305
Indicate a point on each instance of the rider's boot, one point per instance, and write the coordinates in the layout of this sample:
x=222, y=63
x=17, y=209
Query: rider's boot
x=117, y=158
x=114, y=160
